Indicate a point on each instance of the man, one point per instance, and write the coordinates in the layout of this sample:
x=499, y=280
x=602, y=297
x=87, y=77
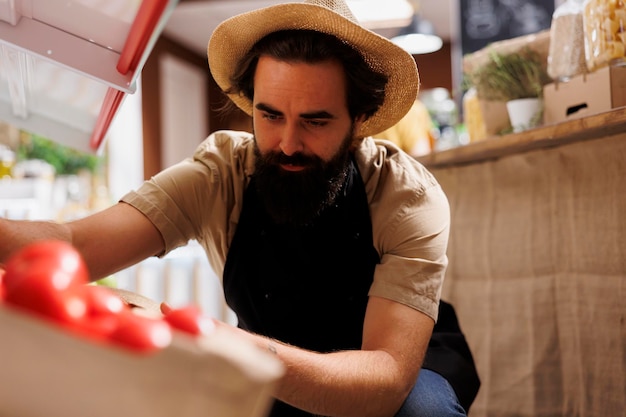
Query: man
x=332, y=246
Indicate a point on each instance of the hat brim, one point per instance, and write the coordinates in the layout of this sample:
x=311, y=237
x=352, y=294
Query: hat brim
x=234, y=37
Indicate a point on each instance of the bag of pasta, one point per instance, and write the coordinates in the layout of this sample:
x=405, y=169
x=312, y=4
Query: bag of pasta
x=605, y=32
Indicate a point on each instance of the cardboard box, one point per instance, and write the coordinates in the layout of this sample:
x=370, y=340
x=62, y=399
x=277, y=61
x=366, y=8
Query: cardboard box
x=585, y=95
x=46, y=371
x=538, y=42
x=495, y=117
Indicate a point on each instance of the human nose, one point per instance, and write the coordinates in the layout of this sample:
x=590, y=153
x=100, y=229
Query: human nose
x=290, y=142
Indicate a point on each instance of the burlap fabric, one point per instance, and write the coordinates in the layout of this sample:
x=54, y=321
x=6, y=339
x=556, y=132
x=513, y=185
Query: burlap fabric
x=538, y=278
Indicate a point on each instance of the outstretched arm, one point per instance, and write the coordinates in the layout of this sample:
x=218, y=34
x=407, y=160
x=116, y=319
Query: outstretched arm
x=110, y=240
x=373, y=381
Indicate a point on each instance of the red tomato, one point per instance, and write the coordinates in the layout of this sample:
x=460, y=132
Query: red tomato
x=141, y=333
x=1, y=284
x=44, y=277
x=38, y=292
x=103, y=311
x=102, y=301
x=54, y=255
x=190, y=320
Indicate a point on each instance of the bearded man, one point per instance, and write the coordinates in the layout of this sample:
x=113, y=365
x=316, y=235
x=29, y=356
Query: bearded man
x=331, y=244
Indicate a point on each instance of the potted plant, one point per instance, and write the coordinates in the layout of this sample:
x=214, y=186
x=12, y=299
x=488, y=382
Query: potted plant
x=66, y=161
x=516, y=78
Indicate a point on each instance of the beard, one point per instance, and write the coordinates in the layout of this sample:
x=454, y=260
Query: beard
x=298, y=198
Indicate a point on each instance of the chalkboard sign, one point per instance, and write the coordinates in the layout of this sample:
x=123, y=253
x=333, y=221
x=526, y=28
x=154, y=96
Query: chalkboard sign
x=487, y=21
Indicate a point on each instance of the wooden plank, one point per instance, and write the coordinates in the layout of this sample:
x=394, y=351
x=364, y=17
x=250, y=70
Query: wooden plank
x=586, y=128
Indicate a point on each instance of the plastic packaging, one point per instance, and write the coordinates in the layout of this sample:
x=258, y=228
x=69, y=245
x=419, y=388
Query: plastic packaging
x=7, y=161
x=605, y=32
x=473, y=116
x=566, y=57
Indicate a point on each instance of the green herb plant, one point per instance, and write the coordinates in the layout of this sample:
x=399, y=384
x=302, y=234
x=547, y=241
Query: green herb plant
x=509, y=76
x=65, y=160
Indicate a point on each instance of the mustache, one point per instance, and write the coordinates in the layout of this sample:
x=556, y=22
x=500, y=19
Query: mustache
x=298, y=159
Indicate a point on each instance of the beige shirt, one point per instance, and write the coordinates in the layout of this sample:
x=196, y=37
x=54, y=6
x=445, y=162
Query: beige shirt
x=201, y=198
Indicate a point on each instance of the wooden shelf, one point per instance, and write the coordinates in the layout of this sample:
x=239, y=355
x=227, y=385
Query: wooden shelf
x=586, y=128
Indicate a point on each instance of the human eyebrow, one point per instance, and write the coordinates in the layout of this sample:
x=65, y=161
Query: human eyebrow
x=314, y=115
x=322, y=114
x=267, y=109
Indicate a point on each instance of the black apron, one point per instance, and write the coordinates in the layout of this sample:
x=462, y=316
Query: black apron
x=306, y=286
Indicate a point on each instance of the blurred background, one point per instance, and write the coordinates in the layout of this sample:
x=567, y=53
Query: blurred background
x=96, y=96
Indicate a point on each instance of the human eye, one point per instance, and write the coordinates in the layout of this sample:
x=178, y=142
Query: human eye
x=270, y=116
x=316, y=122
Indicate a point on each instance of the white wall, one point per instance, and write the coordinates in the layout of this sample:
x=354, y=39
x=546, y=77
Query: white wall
x=125, y=147
x=184, y=108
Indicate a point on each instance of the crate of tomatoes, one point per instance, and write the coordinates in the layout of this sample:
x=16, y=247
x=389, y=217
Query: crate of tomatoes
x=73, y=349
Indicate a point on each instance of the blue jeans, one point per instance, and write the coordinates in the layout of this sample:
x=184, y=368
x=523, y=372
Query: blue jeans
x=432, y=396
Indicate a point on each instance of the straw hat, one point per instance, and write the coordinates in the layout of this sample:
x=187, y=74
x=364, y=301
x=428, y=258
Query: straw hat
x=234, y=37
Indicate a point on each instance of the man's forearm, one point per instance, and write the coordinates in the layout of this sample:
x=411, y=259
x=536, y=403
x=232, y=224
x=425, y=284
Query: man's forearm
x=14, y=234
x=347, y=383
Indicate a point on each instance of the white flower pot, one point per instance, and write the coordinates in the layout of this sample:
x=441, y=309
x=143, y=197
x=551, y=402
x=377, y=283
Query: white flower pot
x=525, y=113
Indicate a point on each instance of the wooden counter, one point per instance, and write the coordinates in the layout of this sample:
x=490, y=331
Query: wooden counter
x=537, y=266
x=587, y=128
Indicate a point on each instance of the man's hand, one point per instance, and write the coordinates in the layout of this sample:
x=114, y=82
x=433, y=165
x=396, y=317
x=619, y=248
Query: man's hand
x=165, y=308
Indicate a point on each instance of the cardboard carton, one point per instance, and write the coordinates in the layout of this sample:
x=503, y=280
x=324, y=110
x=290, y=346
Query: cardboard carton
x=585, y=95
x=47, y=371
x=495, y=117
x=538, y=42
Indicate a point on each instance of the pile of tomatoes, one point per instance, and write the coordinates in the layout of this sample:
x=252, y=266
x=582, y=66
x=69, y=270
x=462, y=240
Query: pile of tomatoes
x=49, y=279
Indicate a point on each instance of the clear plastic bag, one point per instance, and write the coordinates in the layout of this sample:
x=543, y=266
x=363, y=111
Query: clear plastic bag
x=605, y=32
x=566, y=57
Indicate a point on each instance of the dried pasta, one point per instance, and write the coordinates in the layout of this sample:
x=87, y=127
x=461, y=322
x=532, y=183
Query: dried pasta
x=605, y=26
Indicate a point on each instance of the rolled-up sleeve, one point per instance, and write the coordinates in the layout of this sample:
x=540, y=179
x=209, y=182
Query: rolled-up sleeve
x=198, y=198
x=411, y=224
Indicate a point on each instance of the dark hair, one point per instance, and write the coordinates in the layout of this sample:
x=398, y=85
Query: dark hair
x=365, y=87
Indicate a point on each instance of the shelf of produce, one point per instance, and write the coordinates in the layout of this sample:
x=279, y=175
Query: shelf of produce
x=581, y=129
